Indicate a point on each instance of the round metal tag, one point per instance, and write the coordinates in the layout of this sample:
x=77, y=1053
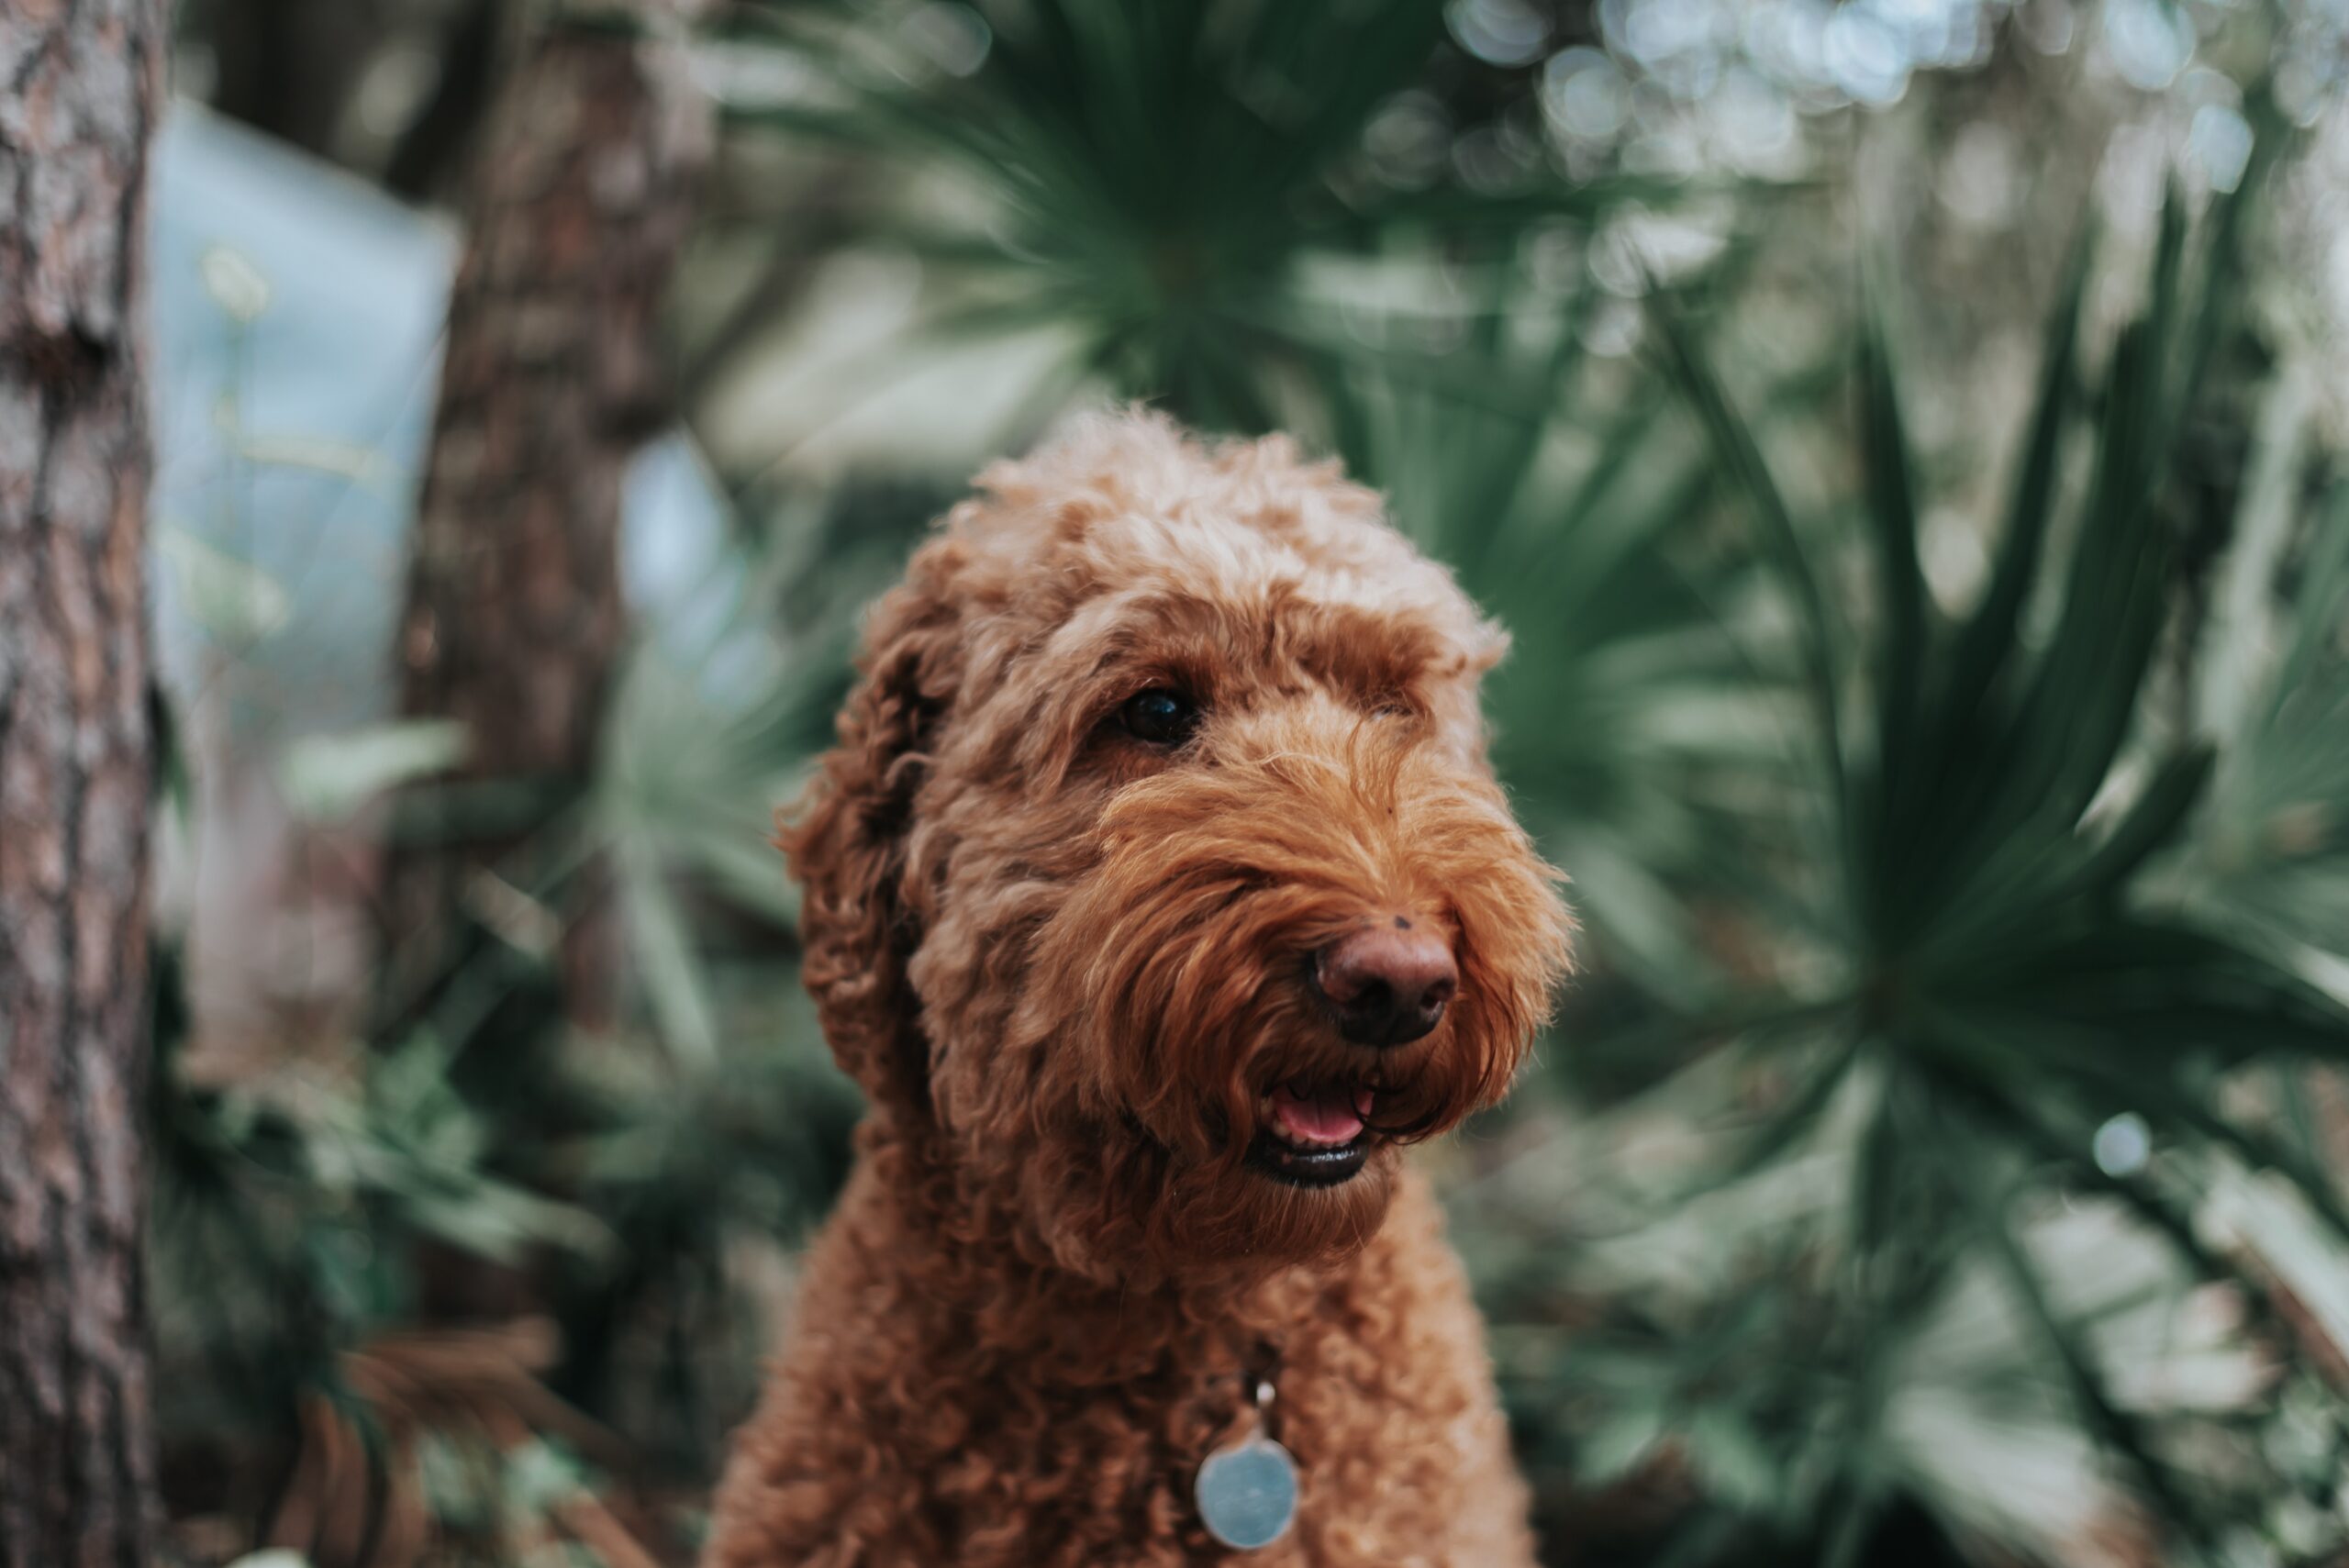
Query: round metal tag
x=1248, y=1494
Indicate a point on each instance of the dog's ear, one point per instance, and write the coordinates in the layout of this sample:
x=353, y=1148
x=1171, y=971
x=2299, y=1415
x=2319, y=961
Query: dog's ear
x=846, y=838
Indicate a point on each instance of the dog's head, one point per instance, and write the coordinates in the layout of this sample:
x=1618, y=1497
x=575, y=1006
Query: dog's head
x=1159, y=876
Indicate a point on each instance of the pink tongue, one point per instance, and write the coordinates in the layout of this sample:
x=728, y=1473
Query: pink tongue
x=1330, y=1116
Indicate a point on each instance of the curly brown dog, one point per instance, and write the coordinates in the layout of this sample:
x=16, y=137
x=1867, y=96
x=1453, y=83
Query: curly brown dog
x=1157, y=893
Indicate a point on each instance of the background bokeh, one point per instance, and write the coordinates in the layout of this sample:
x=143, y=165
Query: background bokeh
x=1905, y=438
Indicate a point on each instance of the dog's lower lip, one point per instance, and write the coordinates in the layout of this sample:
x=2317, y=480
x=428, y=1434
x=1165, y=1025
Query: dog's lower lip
x=1320, y=1166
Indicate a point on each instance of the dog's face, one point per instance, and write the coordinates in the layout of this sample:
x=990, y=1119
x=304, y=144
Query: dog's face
x=1161, y=868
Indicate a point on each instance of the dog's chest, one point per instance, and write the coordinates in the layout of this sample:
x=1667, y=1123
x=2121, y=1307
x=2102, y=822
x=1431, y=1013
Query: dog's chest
x=893, y=1440
x=1399, y=1453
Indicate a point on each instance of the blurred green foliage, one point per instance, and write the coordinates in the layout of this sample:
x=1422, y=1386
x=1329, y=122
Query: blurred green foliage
x=1186, y=268
x=1937, y=1159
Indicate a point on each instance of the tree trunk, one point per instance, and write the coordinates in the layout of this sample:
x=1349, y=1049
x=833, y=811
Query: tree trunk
x=553, y=378
x=83, y=83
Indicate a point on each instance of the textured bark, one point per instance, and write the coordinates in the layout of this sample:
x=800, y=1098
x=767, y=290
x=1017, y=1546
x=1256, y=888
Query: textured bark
x=553, y=378
x=79, y=88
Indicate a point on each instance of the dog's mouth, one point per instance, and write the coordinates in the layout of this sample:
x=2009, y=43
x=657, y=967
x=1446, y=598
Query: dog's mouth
x=1314, y=1135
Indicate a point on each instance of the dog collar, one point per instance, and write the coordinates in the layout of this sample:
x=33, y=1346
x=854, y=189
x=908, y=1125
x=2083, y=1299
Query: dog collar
x=1247, y=1490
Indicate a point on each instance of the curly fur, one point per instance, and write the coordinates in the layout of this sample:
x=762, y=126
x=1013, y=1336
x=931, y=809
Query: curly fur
x=1068, y=967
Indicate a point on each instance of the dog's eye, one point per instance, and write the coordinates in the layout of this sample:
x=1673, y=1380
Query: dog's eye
x=1161, y=716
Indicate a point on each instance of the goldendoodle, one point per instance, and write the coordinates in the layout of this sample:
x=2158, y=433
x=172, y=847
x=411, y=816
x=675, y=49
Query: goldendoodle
x=1158, y=894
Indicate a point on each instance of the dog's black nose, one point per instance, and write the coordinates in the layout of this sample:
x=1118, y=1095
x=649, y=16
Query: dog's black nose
x=1388, y=982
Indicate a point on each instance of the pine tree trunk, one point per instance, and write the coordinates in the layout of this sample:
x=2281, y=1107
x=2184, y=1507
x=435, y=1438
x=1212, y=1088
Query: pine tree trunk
x=83, y=85
x=552, y=380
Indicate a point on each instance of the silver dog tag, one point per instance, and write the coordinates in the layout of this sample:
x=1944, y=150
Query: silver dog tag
x=1248, y=1493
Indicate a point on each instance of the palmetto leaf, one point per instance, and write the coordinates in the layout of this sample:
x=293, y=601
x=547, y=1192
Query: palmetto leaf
x=2275, y=856
x=1988, y=636
x=2006, y=982
x=1158, y=175
x=1740, y=458
x=2117, y=1428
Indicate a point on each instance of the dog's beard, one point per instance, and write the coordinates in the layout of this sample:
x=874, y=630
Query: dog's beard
x=1116, y=1204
